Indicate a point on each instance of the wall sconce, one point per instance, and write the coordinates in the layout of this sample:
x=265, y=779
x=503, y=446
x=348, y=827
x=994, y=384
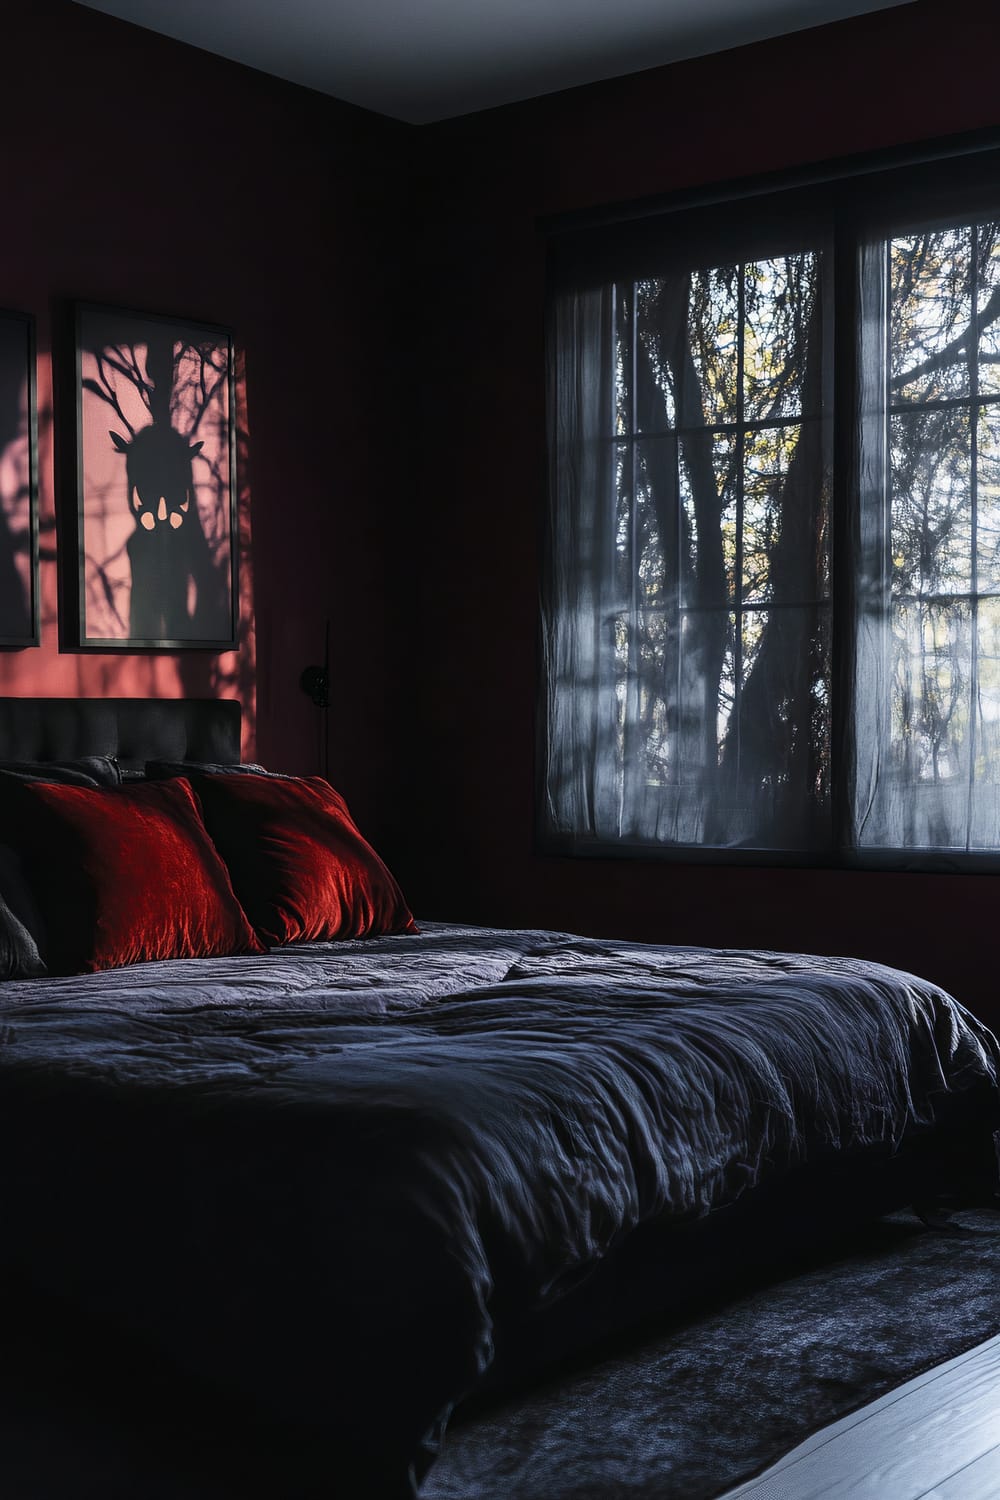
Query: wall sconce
x=315, y=681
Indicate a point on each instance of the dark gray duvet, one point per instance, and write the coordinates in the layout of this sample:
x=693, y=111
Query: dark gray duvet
x=315, y=1180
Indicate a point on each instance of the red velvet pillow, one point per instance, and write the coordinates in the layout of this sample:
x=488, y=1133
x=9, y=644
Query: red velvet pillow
x=125, y=875
x=299, y=865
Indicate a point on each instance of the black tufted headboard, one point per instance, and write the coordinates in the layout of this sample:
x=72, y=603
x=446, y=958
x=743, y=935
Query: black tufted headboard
x=132, y=729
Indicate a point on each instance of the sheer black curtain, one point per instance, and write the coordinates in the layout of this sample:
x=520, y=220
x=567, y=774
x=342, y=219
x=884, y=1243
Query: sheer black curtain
x=927, y=730
x=687, y=622
x=714, y=678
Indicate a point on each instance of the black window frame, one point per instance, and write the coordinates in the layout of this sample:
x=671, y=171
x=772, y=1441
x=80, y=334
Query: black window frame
x=890, y=192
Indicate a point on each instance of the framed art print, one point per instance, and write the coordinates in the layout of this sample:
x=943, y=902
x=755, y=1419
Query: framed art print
x=156, y=482
x=18, y=482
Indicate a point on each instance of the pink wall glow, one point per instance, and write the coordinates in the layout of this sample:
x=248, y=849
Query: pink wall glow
x=249, y=211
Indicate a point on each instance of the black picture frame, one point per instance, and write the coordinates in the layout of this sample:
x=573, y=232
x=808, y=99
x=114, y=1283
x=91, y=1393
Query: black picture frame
x=19, y=584
x=157, y=525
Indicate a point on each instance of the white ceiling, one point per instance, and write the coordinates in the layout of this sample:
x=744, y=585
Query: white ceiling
x=424, y=60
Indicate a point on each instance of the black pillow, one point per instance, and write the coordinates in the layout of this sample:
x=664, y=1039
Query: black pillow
x=166, y=770
x=19, y=955
x=129, y=774
x=16, y=893
x=22, y=933
x=86, y=770
x=20, y=923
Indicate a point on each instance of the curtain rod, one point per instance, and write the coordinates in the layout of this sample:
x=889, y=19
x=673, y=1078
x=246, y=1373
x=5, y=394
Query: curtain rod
x=785, y=179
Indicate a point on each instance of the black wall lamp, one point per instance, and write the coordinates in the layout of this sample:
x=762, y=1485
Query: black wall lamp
x=315, y=681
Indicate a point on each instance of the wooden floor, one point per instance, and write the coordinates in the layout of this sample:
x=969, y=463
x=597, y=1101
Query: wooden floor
x=938, y=1435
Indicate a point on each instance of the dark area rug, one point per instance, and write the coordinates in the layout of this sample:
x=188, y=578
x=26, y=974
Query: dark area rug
x=686, y=1412
x=678, y=1411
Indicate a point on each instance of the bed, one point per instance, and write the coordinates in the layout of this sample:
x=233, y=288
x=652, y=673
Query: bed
x=325, y=1189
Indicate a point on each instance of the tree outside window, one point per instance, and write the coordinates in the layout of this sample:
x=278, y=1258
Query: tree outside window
x=697, y=652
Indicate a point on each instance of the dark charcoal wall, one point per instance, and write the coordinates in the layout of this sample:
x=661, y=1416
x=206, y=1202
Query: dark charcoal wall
x=471, y=544
x=145, y=174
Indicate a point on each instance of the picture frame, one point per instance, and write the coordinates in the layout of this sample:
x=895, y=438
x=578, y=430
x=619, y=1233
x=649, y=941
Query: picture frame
x=156, y=482
x=19, y=586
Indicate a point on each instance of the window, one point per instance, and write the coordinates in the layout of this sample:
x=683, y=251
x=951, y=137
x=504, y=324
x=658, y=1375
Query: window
x=747, y=646
x=929, y=735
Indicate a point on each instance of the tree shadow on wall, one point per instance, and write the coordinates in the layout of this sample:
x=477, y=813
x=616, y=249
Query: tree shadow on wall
x=16, y=614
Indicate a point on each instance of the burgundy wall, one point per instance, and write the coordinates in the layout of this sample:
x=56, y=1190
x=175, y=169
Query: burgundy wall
x=385, y=286
x=146, y=174
x=470, y=549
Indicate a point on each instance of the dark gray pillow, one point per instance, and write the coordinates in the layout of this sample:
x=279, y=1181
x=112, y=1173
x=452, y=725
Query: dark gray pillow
x=131, y=773
x=86, y=770
x=22, y=932
x=19, y=955
x=20, y=923
x=166, y=770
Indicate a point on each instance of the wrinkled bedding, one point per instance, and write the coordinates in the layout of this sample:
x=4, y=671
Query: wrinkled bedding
x=317, y=1179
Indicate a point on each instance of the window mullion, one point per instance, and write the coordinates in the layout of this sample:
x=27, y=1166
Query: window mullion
x=972, y=354
x=845, y=537
x=630, y=735
x=740, y=498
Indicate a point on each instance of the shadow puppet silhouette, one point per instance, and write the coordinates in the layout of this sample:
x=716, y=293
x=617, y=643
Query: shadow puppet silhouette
x=175, y=591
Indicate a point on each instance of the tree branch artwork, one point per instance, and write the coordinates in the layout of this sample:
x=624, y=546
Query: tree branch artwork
x=18, y=483
x=156, y=484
